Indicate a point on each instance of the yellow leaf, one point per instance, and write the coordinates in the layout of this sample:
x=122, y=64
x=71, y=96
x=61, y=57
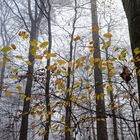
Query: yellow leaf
x=52, y=55
x=52, y=67
x=95, y=28
x=107, y=35
x=109, y=89
x=44, y=44
x=79, y=63
x=33, y=43
x=61, y=62
x=97, y=60
x=1, y=64
x=8, y=94
x=5, y=87
x=84, y=96
x=77, y=38
x=6, y=59
x=38, y=57
x=34, y=49
x=29, y=99
x=91, y=61
x=28, y=62
x=22, y=96
x=19, y=88
x=70, y=64
x=116, y=49
x=6, y=49
x=15, y=70
x=14, y=77
x=136, y=51
x=106, y=45
x=18, y=57
x=73, y=98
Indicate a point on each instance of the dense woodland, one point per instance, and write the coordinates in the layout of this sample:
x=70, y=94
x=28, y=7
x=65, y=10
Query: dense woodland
x=69, y=69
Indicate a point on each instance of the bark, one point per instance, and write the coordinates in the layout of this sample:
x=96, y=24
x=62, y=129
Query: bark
x=100, y=104
x=47, y=87
x=5, y=42
x=112, y=102
x=26, y=106
x=132, y=10
x=34, y=32
x=68, y=94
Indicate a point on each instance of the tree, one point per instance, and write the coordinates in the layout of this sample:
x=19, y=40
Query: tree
x=35, y=19
x=132, y=10
x=99, y=90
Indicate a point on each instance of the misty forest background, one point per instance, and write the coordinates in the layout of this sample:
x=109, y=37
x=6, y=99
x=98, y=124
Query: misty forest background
x=69, y=70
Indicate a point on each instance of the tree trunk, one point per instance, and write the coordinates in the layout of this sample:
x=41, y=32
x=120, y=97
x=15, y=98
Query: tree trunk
x=132, y=10
x=112, y=102
x=47, y=87
x=100, y=104
x=26, y=106
x=5, y=42
x=68, y=94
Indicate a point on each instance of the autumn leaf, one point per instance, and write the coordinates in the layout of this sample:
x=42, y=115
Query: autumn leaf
x=107, y=35
x=29, y=99
x=91, y=60
x=33, y=43
x=39, y=57
x=14, y=77
x=45, y=52
x=23, y=34
x=18, y=57
x=61, y=62
x=1, y=64
x=22, y=96
x=109, y=88
x=73, y=98
x=6, y=59
x=126, y=74
x=8, y=94
x=34, y=49
x=136, y=51
x=19, y=88
x=70, y=64
x=52, y=55
x=28, y=62
x=6, y=49
x=95, y=28
x=13, y=46
x=77, y=38
x=44, y=44
x=106, y=45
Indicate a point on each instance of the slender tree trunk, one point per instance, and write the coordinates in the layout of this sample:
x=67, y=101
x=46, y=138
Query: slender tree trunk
x=68, y=94
x=4, y=42
x=47, y=88
x=132, y=10
x=26, y=106
x=112, y=102
x=100, y=104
